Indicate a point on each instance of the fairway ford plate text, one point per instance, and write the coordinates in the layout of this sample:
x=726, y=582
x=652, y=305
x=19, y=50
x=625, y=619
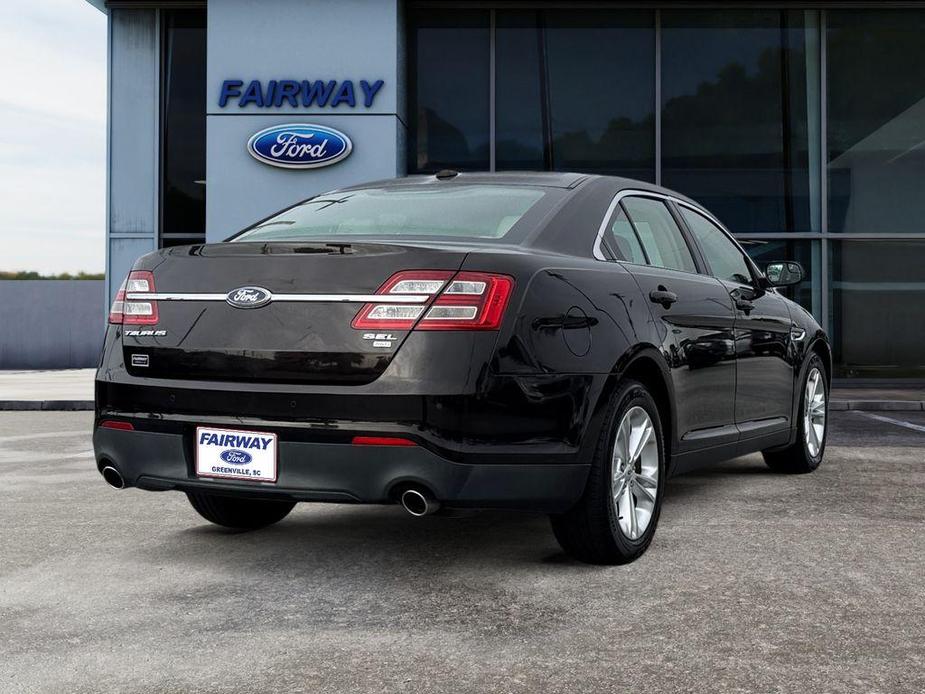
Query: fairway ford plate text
x=299, y=146
x=236, y=454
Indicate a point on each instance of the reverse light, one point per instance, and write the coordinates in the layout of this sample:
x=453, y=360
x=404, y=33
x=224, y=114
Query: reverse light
x=135, y=310
x=390, y=312
x=464, y=301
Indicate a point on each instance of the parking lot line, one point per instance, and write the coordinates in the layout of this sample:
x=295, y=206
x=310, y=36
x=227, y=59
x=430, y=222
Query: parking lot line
x=890, y=420
x=44, y=435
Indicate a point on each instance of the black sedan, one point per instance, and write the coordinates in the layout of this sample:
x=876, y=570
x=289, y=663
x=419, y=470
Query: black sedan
x=560, y=343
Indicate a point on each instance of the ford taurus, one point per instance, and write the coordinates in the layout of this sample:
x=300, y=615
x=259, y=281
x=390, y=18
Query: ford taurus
x=559, y=343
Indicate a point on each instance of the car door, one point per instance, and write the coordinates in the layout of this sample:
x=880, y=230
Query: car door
x=692, y=317
x=764, y=373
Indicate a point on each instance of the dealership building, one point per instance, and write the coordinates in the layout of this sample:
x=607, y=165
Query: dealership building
x=800, y=125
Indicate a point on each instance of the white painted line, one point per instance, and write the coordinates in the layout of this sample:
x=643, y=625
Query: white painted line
x=46, y=435
x=890, y=420
x=82, y=454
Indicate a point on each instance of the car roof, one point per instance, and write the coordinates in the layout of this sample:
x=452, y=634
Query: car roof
x=547, y=179
x=577, y=201
x=582, y=201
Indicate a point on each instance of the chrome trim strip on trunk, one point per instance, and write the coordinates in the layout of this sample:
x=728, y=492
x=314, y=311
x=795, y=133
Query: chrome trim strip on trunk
x=164, y=296
x=317, y=298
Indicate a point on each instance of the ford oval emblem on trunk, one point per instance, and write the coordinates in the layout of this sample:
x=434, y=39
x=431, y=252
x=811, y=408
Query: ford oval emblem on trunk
x=299, y=146
x=249, y=297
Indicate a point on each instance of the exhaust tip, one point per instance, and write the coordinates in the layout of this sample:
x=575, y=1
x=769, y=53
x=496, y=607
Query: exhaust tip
x=418, y=503
x=113, y=477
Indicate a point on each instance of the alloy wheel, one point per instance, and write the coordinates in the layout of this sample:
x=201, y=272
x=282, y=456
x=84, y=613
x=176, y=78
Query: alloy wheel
x=635, y=472
x=814, y=412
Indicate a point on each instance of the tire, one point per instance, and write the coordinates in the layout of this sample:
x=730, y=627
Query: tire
x=805, y=454
x=241, y=514
x=594, y=530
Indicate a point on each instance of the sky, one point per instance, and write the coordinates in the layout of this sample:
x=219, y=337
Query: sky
x=52, y=136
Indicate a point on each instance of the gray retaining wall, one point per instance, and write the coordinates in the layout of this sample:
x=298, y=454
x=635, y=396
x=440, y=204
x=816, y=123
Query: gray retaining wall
x=51, y=324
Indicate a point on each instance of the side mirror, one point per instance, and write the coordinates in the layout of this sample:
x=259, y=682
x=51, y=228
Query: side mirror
x=784, y=273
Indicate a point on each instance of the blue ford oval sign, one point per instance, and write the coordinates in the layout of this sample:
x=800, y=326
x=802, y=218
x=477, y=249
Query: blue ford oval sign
x=299, y=146
x=249, y=297
x=235, y=457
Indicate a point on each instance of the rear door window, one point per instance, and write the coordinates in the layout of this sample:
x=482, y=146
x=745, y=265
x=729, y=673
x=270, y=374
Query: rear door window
x=659, y=234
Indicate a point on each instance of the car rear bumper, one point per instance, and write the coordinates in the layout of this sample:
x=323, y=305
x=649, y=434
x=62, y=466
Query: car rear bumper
x=341, y=472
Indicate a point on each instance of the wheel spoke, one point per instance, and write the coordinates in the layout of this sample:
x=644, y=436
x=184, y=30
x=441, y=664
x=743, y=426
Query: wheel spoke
x=645, y=491
x=819, y=430
x=814, y=443
x=624, y=511
x=643, y=439
x=634, y=523
x=620, y=489
x=817, y=406
x=619, y=463
x=623, y=441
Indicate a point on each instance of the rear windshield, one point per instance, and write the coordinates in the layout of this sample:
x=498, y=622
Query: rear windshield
x=473, y=212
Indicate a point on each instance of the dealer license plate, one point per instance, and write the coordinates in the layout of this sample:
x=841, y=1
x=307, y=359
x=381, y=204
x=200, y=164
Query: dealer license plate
x=236, y=454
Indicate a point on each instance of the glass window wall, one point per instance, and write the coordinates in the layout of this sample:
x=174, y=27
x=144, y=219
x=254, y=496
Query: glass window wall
x=575, y=90
x=794, y=127
x=183, y=145
x=449, y=90
x=876, y=121
x=740, y=104
x=878, y=290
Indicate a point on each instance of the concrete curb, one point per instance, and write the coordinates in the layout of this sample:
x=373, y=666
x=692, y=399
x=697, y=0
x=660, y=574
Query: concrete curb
x=48, y=405
x=878, y=405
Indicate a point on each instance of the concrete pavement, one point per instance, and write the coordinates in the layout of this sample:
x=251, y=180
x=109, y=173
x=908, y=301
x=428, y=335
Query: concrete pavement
x=755, y=582
x=61, y=389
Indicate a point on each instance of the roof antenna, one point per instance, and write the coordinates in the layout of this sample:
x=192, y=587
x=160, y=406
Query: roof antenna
x=445, y=174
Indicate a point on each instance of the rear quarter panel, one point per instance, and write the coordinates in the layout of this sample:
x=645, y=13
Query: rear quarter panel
x=571, y=327
x=574, y=316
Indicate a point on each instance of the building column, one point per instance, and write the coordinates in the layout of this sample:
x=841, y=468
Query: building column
x=133, y=146
x=310, y=40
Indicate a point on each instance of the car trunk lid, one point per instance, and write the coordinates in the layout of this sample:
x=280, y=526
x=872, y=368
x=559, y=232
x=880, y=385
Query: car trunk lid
x=273, y=312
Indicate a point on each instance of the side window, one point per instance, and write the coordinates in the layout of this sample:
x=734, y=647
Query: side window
x=660, y=236
x=726, y=261
x=622, y=240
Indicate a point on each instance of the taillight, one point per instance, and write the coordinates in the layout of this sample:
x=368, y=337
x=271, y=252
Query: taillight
x=464, y=301
x=131, y=307
x=397, y=315
x=471, y=301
